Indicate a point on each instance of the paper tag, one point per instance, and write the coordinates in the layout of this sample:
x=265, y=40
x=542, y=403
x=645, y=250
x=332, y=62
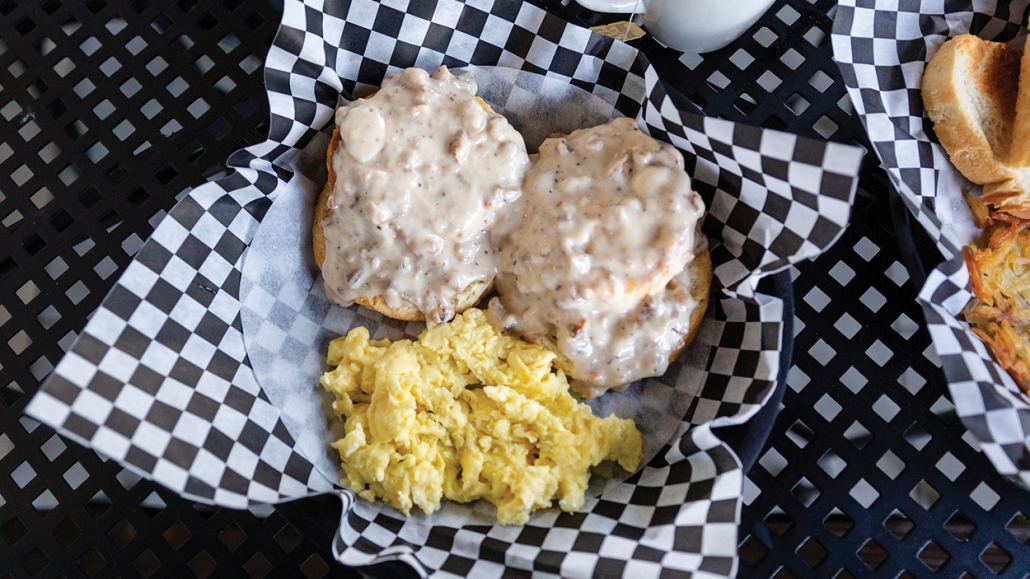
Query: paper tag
x=624, y=31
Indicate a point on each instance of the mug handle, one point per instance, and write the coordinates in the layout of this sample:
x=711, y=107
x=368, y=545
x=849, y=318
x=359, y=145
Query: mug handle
x=616, y=6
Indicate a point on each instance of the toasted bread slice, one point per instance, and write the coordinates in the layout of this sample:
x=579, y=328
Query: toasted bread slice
x=972, y=90
x=465, y=299
x=1013, y=194
x=969, y=91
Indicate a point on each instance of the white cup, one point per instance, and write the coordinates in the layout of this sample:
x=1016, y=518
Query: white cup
x=689, y=25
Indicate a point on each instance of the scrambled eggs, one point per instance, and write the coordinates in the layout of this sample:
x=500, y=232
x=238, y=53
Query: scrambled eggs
x=467, y=413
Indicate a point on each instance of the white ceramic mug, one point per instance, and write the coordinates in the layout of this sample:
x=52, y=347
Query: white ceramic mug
x=689, y=25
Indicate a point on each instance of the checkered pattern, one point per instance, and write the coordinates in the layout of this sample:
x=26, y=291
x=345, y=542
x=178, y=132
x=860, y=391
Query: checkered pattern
x=736, y=378
x=773, y=198
x=287, y=320
x=882, y=47
x=169, y=333
x=159, y=379
x=986, y=398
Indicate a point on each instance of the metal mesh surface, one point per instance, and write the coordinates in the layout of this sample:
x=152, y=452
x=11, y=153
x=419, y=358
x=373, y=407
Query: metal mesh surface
x=109, y=109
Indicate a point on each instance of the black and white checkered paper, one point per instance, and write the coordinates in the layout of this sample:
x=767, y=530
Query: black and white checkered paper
x=882, y=47
x=160, y=380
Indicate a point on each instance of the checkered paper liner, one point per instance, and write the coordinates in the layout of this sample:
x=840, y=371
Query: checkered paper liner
x=160, y=381
x=882, y=47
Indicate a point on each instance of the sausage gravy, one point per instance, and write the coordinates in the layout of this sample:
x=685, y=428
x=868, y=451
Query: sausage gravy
x=597, y=259
x=422, y=171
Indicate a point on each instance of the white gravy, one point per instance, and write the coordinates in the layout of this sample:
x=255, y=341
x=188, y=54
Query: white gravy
x=422, y=171
x=608, y=224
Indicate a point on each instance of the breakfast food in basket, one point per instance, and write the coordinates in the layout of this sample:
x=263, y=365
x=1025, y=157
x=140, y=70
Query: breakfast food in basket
x=979, y=101
x=599, y=264
x=606, y=265
x=466, y=413
x=977, y=93
x=1000, y=313
x=418, y=172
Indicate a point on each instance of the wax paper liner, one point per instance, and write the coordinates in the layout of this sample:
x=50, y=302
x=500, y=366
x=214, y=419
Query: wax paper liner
x=159, y=379
x=882, y=47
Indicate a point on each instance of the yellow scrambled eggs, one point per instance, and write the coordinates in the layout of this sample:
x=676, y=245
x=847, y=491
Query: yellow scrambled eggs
x=467, y=413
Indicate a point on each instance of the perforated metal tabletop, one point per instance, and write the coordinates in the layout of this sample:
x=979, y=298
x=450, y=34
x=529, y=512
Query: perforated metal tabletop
x=110, y=109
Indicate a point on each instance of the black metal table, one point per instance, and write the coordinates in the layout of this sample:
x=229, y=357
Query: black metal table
x=109, y=109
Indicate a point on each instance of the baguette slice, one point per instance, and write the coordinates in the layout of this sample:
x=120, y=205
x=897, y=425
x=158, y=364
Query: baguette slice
x=970, y=90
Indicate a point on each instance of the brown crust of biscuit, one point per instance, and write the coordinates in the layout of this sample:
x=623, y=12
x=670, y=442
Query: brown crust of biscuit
x=700, y=273
x=465, y=299
x=322, y=205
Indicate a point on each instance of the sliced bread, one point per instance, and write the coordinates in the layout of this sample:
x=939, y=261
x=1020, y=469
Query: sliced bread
x=969, y=91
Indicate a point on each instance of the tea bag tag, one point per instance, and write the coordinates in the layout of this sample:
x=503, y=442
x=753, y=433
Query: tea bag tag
x=624, y=31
